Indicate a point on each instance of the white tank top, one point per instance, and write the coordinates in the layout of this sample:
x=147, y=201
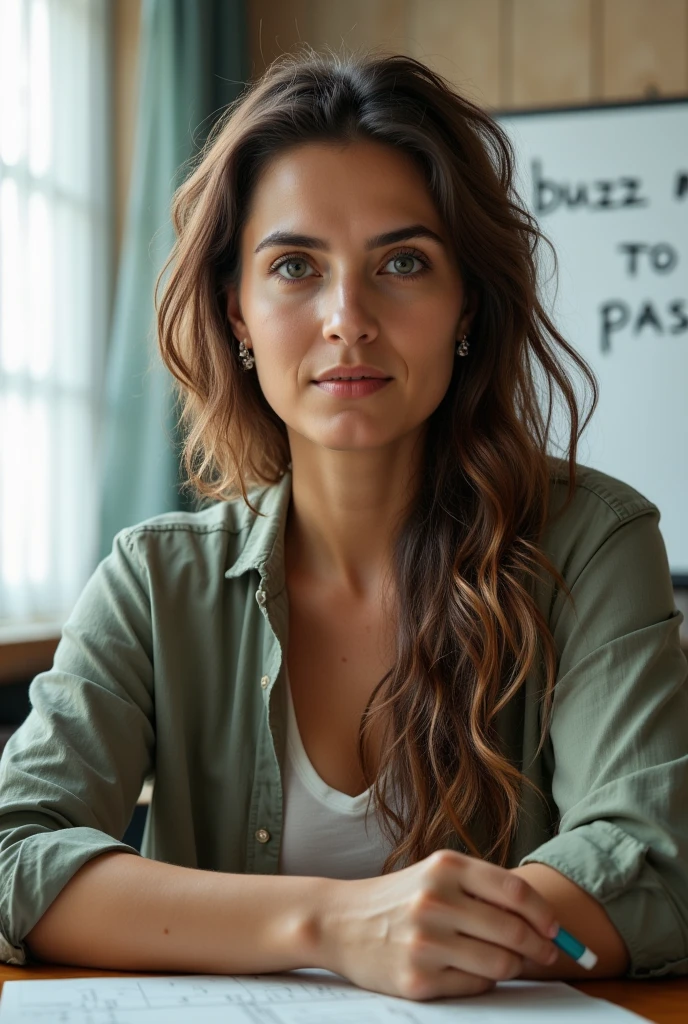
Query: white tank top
x=326, y=832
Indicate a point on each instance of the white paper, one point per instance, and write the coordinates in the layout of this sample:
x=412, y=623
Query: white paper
x=307, y=996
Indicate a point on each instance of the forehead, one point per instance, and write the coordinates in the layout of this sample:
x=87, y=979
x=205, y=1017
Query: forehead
x=354, y=187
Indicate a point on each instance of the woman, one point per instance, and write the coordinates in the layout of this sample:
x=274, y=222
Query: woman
x=396, y=601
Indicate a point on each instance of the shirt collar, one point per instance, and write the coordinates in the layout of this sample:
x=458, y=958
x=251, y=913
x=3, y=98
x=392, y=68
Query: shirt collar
x=264, y=547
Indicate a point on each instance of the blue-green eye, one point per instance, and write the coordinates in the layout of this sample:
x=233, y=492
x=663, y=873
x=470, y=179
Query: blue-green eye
x=404, y=260
x=298, y=266
x=291, y=262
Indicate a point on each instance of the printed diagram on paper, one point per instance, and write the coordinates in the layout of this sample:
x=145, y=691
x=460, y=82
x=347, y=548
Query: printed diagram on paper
x=299, y=997
x=115, y=1000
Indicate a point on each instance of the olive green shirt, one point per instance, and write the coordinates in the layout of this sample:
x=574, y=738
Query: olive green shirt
x=171, y=665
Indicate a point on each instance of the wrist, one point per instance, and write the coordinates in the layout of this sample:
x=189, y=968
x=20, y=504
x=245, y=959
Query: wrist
x=314, y=931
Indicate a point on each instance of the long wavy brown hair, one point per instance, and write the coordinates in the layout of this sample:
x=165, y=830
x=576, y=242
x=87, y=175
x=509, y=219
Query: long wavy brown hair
x=469, y=630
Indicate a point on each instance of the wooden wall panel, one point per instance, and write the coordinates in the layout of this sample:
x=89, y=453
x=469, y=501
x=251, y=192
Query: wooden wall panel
x=460, y=40
x=276, y=28
x=503, y=53
x=354, y=24
x=644, y=48
x=358, y=23
x=552, y=52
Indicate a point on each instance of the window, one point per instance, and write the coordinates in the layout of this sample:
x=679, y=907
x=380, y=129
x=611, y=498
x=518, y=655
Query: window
x=55, y=296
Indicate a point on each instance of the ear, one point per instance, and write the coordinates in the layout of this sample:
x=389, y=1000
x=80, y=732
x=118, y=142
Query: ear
x=469, y=311
x=234, y=314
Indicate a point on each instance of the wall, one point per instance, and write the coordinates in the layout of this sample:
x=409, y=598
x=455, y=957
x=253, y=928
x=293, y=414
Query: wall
x=504, y=53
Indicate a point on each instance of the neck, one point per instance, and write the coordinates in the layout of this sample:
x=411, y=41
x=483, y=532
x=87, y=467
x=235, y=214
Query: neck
x=346, y=507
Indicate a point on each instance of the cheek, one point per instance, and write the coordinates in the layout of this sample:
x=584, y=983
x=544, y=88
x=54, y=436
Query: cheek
x=283, y=340
x=426, y=344
x=430, y=318
x=281, y=324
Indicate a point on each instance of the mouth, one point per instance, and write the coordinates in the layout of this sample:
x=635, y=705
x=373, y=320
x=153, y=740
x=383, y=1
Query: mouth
x=353, y=371
x=352, y=387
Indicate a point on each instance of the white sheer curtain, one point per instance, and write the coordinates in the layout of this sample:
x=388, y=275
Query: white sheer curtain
x=55, y=293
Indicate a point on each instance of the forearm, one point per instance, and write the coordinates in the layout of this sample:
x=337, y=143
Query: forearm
x=124, y=912
x=582, y=916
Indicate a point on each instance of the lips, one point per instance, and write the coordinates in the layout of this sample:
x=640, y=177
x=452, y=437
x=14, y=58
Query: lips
x=351, y=373
x=353, y=388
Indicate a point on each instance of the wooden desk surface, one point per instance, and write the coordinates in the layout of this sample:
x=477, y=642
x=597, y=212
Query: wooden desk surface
x=664, y=1001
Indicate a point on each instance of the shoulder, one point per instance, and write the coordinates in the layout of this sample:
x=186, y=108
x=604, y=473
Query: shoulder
x=601, y=505
x=217, y=534
x=221, y=517
x=600, y=491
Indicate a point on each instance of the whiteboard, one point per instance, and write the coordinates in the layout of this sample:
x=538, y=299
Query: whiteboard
x=608, y=186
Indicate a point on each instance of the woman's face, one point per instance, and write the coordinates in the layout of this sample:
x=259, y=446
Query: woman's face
x=343, y=295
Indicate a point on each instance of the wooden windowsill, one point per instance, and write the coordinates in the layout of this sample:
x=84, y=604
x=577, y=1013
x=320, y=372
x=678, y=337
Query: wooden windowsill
x=25, y=651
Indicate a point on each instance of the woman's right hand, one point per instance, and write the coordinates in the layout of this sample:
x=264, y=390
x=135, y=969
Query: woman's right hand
x=451, y=925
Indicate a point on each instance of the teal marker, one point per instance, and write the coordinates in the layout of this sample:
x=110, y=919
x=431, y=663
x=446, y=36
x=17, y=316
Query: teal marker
x=575, y=949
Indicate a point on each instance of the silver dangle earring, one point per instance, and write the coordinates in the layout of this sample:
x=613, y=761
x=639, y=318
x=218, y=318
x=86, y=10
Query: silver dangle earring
x=462, y=347
x=247, y=360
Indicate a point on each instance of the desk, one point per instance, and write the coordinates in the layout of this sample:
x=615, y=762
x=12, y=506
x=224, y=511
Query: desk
x=664, y=1001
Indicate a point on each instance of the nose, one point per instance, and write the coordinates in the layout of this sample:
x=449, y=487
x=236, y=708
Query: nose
x=346, y=316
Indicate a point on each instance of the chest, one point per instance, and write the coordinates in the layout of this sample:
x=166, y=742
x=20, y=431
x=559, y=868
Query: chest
x=338, y=651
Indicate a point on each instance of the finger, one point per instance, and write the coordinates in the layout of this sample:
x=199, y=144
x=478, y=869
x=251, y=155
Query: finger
x=468, y=915
x=497, y=886
x=451, y=982
x=423, y=983
x=485, y=921
x=482, y=959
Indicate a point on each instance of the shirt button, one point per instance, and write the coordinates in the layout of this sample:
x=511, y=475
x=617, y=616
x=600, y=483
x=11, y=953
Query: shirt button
x=260, y=597
x=262, y=835
x=265, y=681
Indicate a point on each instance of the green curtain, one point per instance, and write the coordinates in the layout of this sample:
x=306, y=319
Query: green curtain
x=193, y=61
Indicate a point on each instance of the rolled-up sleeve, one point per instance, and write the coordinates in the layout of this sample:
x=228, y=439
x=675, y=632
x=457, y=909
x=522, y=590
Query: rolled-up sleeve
x=619, y=737
x=71, y=774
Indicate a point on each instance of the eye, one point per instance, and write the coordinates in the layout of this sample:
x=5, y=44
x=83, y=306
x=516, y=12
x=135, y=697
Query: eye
x=404, y=260
x=296, y=265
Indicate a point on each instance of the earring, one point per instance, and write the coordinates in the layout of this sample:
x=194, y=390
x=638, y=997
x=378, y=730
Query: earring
x=246, y=357
x=462, y=348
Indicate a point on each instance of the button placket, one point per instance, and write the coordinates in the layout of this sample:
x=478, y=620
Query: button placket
x=263, y=850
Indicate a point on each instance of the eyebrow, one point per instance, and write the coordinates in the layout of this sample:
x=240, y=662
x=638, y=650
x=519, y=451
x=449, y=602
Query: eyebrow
x=387, y=238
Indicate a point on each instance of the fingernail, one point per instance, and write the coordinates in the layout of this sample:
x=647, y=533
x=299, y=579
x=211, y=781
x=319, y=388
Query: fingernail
x=554, y=930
